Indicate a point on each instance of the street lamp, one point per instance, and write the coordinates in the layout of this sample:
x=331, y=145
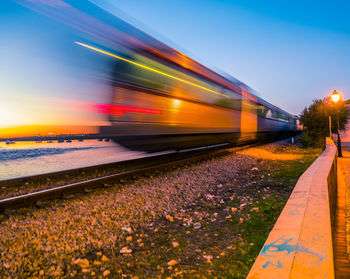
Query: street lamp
x=335, y=96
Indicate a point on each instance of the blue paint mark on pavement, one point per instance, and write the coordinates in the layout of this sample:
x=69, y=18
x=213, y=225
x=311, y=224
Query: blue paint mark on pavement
x=279, y=264
x=271, y=250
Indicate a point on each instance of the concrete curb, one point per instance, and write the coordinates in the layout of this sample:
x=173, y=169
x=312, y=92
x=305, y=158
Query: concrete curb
x=300, y=244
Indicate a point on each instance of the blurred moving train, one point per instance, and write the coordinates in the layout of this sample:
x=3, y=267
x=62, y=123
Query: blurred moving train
x=161, y=99
x=159, y=104
x=164, y=100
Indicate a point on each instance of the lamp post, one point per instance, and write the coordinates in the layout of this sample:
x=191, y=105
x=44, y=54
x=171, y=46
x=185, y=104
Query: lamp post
x=335, y=96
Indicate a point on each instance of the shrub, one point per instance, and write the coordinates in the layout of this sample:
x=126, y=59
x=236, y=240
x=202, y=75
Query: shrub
x=315, y=119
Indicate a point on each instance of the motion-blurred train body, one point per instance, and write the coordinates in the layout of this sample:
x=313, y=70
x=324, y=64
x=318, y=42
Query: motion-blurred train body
x=161, y=99
x=162, y=102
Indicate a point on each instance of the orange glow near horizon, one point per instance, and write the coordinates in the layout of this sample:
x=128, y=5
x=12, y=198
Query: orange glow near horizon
x=43, y=130
x=46, y=115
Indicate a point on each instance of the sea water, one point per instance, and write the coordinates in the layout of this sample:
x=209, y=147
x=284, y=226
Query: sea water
x=31, y=158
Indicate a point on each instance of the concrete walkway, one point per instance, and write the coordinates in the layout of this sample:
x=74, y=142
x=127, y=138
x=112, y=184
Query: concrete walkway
x=341, y=236
x=300, y=244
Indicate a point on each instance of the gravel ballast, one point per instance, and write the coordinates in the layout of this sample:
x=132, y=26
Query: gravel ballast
x=184, y=222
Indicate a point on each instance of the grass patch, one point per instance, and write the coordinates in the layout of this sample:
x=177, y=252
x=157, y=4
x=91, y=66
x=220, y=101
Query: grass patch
x=262, y=217
x=292, y=169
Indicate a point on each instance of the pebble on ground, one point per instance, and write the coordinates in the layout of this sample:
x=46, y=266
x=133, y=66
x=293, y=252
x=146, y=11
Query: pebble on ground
x=84, y=235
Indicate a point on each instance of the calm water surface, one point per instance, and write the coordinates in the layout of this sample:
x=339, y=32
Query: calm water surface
x=30, y=158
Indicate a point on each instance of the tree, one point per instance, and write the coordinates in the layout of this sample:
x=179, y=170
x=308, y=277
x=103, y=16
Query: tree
x=315, y=119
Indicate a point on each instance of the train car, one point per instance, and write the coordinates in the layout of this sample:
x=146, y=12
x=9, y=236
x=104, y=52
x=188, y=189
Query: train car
x=158, y=104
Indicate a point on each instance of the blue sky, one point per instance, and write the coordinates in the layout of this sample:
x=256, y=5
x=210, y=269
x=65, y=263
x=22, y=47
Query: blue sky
x=291, y=52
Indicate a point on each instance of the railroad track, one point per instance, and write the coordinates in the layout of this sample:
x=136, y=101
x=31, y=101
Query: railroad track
x=146, y=164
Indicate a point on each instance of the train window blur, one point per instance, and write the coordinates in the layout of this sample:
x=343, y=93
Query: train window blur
x=232, y=101
x=249, y=105
x=261, y=110
x=269, y=113
x=167, y=79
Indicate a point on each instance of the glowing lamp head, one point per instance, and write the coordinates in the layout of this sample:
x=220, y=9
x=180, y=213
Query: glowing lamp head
x=335, y=96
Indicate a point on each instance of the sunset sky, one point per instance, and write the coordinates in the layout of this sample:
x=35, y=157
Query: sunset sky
x=46, y=81
x=291, y=52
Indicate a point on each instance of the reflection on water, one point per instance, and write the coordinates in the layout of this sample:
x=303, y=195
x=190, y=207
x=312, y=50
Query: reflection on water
x=10, y=154
x=30, y=158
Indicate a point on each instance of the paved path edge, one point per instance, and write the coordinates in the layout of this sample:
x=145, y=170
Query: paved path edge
x=300, y=244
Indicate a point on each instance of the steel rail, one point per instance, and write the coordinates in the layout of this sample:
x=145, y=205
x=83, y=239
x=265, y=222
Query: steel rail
x=59, y=191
